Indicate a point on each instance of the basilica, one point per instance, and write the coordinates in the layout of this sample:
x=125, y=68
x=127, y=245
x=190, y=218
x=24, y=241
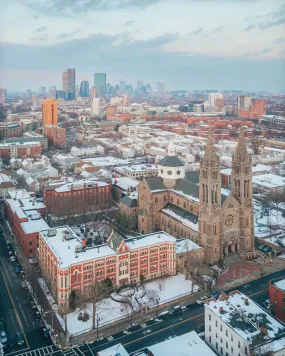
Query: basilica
x=191, y=204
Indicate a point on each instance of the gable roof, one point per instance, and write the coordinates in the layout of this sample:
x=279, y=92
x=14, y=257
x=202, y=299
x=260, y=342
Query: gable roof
x=155, y=183
x=187, y=188
x=114, y=240
x=192, y=176
x=182, y=215
x=143, y=212
x=129, y=201
x=171, y=161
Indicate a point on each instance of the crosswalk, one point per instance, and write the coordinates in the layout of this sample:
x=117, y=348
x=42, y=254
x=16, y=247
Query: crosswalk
x=73, y=352
x=44, y=351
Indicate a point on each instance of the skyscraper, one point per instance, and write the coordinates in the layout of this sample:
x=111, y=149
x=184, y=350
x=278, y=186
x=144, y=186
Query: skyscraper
x=3, y=95
x=84, y=89
x=68, y=84
x=42, y=91
x=49, y=112
x=100, y=84
x=139, y=84
x=160, y=87
x=122, y=84
x=244, y=102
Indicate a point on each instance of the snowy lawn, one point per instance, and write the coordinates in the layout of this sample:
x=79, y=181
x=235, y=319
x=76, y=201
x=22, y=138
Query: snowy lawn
x=108, y=311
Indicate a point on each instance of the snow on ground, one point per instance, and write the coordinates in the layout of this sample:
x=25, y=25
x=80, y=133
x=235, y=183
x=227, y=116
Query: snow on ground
x=109, y=311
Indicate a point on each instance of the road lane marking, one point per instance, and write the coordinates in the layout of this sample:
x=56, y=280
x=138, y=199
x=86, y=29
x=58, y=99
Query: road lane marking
x=181, y=322
x=17, y=315
x=166, y=328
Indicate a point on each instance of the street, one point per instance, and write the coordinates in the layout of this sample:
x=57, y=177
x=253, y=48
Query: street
x=16, y=306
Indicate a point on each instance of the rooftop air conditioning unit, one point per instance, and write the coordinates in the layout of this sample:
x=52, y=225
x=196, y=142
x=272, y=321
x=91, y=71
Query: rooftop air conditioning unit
x=68, y=235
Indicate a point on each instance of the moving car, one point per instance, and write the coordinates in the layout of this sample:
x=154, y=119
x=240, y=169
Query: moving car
x=23, y=284
x=45, y=332
x=17, y=269
x=201, y=300
x=19, y=338
x=3, y=337
x=12, y=258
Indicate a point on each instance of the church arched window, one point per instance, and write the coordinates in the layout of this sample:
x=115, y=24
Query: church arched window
x=164, y=198
x=191, y=208
x=184, y=205
x=168, y=224
x=178, y=202
x=156, y=200
x=174, y=228
x=215, y=229
x=171, y=199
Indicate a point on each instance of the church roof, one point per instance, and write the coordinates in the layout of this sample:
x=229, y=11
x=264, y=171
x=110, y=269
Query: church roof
x=155, y=183
x=192, y=176
x=171, y=161
x=129, y=201
x=187, y=188
x=181, y=214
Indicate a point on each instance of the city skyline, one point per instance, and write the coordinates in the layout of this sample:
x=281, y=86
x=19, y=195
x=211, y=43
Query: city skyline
x=205, y=48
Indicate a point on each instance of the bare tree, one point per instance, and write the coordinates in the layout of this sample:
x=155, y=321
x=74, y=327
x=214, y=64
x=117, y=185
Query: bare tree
x=99, y=291
x=161, y=281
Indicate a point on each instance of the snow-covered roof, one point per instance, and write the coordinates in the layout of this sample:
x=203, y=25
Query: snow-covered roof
x=4, y=178
x=149, y=239
x=269, y=180
x=186, y=245
x=245, y=317
x=137, y=168
x=255, y=169
x=188, y=344
x=64, y=248
x=125, y=183
x=116, y=350
x=34, y=225
x=280, y=284
x=106, y=161
x=19, y=194
x=79, y=184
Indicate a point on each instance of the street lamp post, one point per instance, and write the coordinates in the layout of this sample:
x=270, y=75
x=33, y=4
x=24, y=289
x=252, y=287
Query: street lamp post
x=98, y=319
x=157, y=304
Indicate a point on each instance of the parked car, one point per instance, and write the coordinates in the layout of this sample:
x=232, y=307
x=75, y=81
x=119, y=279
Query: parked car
x=201, y=300
x=175, y=310
x=19, y=339
x=45, y=332
x=12, y=258
x=17, y=269
x=23, y=284
x=37, y=314
x=3, y=337
x=261, y=247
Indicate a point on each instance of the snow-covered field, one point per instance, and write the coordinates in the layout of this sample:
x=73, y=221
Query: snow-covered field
x=158, y=291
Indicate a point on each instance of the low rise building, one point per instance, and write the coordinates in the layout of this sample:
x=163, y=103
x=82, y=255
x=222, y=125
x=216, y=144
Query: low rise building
x=70, y=263
x=76, y=197
x=56, y=135
x=277, y=298
x=87, y=151
x=268, y=183
x=236, y=326
x=135, y=130
x=122, y=186
x=137, y=171
x=5, y=185
x=20, y=149
x=24, y=214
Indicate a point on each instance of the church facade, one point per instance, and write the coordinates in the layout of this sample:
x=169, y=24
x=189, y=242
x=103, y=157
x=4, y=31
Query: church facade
x=191, y=205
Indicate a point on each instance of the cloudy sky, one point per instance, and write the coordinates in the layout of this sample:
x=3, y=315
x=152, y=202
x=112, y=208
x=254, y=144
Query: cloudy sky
x=187, y=44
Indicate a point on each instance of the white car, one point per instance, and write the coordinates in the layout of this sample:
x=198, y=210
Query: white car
x=12, y=259
x=201, y=300
x=3, y=337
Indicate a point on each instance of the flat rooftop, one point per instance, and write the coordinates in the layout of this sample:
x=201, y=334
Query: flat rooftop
x=246, y=318
x=63, y=241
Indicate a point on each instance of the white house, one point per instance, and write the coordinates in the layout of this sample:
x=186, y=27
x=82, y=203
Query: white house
x=236, y=326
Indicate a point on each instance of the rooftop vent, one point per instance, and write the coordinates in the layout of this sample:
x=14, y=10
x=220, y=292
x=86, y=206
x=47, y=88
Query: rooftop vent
x=51, y=233
x=246, y=302
x=68, y=235
x=221, y=309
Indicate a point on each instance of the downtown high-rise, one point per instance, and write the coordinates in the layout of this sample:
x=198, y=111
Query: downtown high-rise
x=68, y=84
x=84, y=89
x=100, y=84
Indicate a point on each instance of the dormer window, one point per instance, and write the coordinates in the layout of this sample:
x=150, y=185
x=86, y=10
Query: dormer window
x=178, y=173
